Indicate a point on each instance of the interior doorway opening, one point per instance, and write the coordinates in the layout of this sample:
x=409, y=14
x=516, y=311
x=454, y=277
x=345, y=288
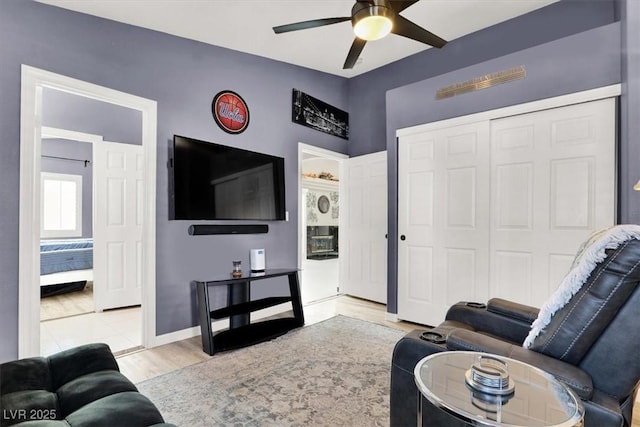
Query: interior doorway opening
x=34, y=83
x=73, y=309
x=321, y=195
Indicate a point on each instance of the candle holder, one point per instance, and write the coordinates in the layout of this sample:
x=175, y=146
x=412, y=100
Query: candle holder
x=237, y=269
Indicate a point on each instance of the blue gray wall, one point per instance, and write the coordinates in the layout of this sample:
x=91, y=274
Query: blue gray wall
x=182, y=76
x=367, y=92
x=81, y=114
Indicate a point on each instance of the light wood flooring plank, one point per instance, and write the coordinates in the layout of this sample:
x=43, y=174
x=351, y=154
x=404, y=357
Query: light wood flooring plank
x=69, y=304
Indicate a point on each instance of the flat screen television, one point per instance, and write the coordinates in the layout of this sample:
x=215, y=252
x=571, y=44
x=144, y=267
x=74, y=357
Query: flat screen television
x=216, y=182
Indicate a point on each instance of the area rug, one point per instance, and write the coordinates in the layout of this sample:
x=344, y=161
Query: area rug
x=333, y=373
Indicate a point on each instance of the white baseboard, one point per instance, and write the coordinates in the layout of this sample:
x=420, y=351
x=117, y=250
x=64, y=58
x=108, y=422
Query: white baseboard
x=217, y=325
x=391, y=317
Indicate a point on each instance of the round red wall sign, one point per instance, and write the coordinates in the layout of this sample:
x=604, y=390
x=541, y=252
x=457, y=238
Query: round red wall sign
x=230, y=111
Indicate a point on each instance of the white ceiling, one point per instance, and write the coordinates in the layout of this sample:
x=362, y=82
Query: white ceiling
x=246, y=25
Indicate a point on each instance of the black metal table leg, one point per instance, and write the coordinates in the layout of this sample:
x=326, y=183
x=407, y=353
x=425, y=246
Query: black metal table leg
x=239, y=293
x=205, y=317
x=296, y=302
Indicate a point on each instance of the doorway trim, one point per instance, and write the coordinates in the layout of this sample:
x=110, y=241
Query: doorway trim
x=33, y=82
x=342, y=191
x=70, y=135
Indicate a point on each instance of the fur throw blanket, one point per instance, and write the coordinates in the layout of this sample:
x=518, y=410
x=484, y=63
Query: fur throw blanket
x=590, y=253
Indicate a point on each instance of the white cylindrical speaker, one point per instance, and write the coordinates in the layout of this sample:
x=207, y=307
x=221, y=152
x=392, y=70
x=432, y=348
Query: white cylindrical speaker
x=257, y=260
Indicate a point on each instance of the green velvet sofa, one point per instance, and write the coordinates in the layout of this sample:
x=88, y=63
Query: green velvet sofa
x=78, y=387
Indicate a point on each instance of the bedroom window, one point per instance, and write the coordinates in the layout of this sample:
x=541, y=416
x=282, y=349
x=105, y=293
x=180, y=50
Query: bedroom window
x=60, y=205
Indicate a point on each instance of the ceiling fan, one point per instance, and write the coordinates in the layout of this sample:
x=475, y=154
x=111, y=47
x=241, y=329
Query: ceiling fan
x=372, y=20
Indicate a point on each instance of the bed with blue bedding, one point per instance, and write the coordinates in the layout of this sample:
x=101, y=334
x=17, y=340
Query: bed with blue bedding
x=65, y=265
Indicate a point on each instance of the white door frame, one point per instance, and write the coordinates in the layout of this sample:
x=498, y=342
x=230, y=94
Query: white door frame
x=342, y=191
x=514, y=110
x=33, y=81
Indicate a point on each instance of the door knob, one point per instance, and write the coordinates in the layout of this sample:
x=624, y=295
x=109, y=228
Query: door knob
x=403, y=237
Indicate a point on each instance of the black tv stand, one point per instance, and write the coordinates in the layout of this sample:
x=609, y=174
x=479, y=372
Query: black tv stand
x=242, y=332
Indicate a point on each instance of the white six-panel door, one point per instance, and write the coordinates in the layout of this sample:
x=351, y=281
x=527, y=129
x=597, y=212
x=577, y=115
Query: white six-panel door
x=553, y=183
x=443, y=220
x=366, y=275
x=499, y=208
x=117, y=224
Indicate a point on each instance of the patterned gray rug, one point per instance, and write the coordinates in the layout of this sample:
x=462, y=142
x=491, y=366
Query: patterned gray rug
x=333, y=373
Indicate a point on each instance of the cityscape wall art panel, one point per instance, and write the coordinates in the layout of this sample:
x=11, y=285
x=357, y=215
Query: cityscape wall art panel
x=311, y=112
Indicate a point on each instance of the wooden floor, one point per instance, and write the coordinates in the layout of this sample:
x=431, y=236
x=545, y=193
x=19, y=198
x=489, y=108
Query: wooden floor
x=69, y=304
x=145, y=364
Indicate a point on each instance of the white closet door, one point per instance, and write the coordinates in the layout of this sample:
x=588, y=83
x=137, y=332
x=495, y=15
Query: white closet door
x=443, y=220
x=366, y=275
x=117, y=224
x=553, y=183
x=499, y=208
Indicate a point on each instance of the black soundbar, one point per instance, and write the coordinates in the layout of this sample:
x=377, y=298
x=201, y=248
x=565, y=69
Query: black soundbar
x=199, y=230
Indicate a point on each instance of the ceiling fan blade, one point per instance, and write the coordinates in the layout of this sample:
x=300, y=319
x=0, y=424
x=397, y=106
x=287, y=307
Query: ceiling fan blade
x=309, y=24
x=400, y=5
x=354, y=53
x=406, y=28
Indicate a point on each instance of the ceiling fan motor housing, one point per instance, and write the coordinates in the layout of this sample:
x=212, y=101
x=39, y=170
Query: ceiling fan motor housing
x=371, y=9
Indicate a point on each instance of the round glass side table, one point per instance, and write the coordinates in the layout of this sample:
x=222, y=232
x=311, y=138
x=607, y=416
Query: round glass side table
x=487, y=390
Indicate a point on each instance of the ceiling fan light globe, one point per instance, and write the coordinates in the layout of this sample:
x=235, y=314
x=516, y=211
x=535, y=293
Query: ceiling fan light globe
x=372, y=21
x=373, y=27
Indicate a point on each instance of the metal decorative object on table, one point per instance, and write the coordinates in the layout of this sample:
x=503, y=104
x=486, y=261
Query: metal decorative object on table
x=487, y=390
